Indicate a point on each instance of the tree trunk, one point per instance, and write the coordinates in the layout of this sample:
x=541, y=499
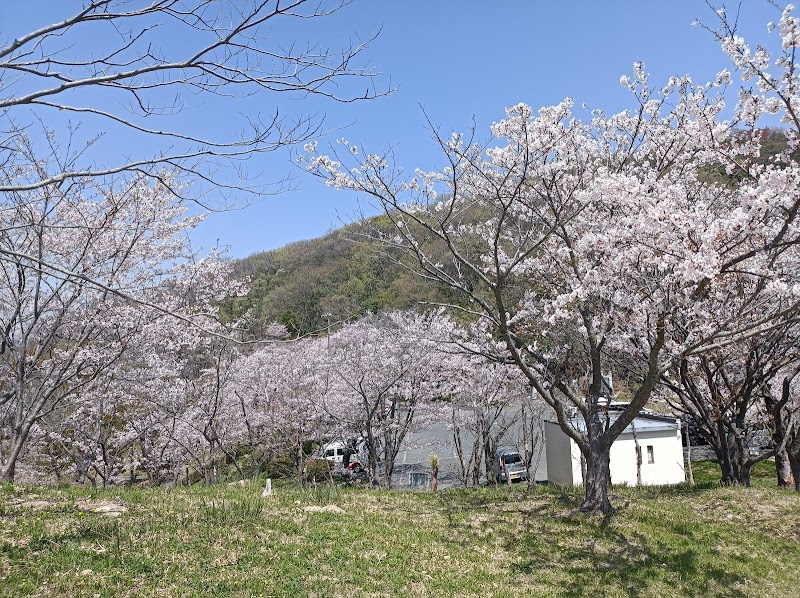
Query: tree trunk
x=372, y=446
x=729, y=477
x=476, y=470
x=783, y=469
x=597, y=480
x=434, y=473
x=726, y=455
x=787, y=477
x=638, y=455
x=372, y=457
x=7, y=473
x=744, y=473
x=388, y=469
x=348, y=453
x=489, y=455
x=729, y=459
x=19, y=437
x=462, y=461
x=794, y=463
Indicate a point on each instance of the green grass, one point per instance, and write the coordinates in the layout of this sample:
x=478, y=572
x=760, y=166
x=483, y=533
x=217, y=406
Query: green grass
x=228, y=541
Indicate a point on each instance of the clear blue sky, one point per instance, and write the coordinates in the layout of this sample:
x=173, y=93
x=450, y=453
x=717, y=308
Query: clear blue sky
x=458, y=59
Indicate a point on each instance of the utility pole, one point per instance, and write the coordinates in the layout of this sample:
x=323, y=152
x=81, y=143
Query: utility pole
x=327, y=316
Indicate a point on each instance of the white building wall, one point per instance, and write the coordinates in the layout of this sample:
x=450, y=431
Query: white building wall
x=558, y=455
x=575, y=461
x=667, y=453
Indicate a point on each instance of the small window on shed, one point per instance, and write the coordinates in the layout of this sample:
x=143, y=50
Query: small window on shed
x=418, y=480
x=650, y=455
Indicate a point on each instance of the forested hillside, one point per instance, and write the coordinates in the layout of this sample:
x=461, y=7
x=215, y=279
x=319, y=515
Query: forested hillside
x=339, y=276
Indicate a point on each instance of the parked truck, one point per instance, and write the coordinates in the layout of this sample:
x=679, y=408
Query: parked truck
x=508, y=464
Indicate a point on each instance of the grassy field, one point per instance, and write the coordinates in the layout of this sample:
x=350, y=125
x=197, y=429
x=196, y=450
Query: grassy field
x=228, y=541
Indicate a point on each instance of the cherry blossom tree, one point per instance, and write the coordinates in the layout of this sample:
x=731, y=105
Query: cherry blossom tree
x=179, y=375
x=71, y=266
x=92, y=433
x=627, y=241
x=485, y=409
x=280, y=391
x=208, y=413
x=727, y=395
x=386, y=374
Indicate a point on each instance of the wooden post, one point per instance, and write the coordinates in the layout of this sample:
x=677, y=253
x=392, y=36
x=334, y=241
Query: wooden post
x=638, y=454
x=689, y=471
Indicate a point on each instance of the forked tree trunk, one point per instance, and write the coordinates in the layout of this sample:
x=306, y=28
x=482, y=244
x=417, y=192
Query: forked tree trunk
x=729, y=457
x=597, y=480
x=728, y=477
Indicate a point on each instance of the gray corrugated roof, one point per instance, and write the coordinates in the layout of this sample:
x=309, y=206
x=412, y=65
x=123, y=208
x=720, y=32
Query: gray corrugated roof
x=643, y=423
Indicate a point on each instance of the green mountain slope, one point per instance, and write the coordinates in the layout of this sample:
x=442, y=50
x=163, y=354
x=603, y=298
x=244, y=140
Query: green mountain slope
x=332, y=278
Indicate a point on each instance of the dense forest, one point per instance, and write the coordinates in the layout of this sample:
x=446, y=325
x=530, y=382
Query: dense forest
x=338, y=277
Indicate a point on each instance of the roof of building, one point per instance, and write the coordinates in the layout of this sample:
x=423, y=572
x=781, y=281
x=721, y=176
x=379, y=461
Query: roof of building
x=644, y=422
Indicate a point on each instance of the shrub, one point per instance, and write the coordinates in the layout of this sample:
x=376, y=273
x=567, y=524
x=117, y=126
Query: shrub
x=282, y=467
x=318, y=470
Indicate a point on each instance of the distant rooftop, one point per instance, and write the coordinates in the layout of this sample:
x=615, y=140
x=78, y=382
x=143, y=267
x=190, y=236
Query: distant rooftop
x=644, y=422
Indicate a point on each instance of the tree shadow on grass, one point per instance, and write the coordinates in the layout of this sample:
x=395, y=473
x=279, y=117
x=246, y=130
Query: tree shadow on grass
x=593, y=556
x=569, y=498
x=636, y=554
x=472, y=517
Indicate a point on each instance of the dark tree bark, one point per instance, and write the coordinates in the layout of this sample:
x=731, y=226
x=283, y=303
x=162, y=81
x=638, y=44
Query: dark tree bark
x=783, y=470
x=598, y=479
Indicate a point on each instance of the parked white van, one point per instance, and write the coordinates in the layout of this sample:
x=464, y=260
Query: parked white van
x=334, y=451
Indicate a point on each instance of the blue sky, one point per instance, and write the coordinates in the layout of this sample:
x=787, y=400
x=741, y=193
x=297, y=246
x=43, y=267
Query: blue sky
x=459, y=60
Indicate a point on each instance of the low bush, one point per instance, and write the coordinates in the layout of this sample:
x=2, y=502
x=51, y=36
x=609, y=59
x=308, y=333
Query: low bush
x=318, y=470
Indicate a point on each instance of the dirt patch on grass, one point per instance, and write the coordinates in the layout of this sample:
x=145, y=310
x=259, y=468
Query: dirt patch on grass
x=111, y=508
x=32, y=503
x=748, y=506
x=325, y=509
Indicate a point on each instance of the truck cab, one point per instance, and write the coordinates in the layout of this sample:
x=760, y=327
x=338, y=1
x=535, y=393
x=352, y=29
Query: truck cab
x=508, y=460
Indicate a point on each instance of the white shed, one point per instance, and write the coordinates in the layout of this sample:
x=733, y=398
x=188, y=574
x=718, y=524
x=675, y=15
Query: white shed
x=659, y=438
